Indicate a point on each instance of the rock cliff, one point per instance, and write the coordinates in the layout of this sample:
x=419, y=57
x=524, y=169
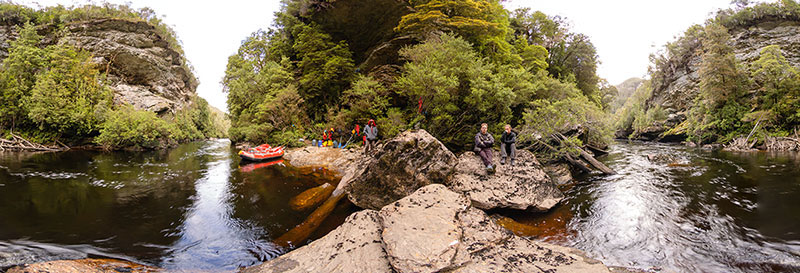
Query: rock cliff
x=681, y=85
x=142, y=68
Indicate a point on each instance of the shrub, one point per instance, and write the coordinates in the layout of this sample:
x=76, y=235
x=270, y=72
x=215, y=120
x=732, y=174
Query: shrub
x=127, y=127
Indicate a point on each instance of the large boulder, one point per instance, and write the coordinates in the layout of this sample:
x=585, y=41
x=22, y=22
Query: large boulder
x=522, y=186
x=432, y=230
x=405, y=163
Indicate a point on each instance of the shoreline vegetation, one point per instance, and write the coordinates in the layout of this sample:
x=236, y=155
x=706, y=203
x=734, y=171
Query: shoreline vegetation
x=57, y=94
x=446, y=67
x=715, y=86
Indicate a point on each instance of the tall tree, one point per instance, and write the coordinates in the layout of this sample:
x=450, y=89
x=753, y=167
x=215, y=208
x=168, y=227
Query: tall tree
x=719, y=77
x=325, y=68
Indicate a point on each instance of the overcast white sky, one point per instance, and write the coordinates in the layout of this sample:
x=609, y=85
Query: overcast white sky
x=625, y=32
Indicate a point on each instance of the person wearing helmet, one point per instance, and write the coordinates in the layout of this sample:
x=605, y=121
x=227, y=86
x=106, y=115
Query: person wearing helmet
x=370, y=136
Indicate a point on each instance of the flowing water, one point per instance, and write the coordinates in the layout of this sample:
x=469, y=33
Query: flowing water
x=686, y=210
x=191, y=208
x=194, y=208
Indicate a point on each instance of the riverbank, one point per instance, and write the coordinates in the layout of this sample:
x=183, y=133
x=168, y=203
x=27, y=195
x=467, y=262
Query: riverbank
x=440, y=224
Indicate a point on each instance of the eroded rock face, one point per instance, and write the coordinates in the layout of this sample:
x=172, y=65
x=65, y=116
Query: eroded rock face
x=430, y=243
x=522, y=186
x=432, y=230
x=682, y=84
x=559, y=173
x=405, y=163
x=143, y=70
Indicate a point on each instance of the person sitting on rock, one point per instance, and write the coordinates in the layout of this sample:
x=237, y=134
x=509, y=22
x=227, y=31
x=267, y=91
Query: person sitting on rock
x=483, y=146
x=508, y=145
x=370, y=136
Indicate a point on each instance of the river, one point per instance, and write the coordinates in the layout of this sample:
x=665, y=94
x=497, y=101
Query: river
x=686, y=210
x=191, y=208
x=194, y=208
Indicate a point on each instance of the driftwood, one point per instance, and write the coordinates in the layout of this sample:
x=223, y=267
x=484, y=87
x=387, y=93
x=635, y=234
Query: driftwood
x=567, y=157
x=596, y=151
x=18, y=143
x=782, y=144
x=586, y=156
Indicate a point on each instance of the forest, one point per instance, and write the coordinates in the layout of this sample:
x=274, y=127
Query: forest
x=53, y=92
x=460, y=64
x=757, y=97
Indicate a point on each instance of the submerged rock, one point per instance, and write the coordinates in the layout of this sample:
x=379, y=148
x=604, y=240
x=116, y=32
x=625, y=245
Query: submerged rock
x=432, y=230
x=311, y=197
x=521, y=186
x=405, y=163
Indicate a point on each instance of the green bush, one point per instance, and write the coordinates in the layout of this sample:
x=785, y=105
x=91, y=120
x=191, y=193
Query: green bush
x=127, y=127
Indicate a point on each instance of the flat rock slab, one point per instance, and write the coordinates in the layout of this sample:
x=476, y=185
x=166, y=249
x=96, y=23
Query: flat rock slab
x=355, y=246
x=522, y=186
x=422, y=232
x=432, y=230
x=338, y=160
x=85, y=266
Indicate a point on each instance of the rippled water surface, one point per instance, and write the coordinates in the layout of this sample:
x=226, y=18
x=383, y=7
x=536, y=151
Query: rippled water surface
x=686, y=210
x=189, y=208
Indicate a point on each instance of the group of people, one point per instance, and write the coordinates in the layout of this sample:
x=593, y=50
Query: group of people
x=369, y=136
x=484, y=141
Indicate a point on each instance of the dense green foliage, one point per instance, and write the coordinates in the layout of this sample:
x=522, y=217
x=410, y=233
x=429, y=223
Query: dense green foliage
x=733, y=96
x=472, y=62
x=54, y=92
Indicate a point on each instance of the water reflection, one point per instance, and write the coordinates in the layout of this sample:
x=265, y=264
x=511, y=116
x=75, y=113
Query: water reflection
x=209, y=237
x=709, y=212
x=190, y=208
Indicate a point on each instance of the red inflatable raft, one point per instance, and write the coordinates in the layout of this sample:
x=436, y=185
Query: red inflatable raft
x=262, y=153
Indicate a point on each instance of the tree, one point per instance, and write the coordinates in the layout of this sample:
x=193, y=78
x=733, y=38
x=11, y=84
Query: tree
x=68, y=96
x=457, y=88
x=775, y=76
x=324, y=70
x=18, y=74
x=719, y=76
x=484, y=23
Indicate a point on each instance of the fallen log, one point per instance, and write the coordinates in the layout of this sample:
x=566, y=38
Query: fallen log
x=586, y=156
x=567, y=157
x=596, y=151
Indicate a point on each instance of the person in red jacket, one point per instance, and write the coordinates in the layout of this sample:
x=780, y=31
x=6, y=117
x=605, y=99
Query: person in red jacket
x=370, y=136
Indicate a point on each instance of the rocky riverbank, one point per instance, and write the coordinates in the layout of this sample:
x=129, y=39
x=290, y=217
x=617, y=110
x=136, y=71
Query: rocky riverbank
x=423, y=213
x=432, y=230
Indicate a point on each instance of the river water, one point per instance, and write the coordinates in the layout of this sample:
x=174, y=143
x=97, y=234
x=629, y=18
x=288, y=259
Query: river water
x=194, y=208
x=686, y=210
x=191, y=208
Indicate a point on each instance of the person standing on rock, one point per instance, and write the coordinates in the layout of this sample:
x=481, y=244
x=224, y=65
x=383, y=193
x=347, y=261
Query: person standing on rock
x=370, y=136
x=483, y=146
x=508, y=145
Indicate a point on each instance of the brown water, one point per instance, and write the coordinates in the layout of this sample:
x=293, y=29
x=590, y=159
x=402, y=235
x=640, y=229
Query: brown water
x=189, y=208
x=708, y=212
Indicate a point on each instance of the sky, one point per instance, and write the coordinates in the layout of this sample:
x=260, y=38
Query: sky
x=625, y=32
